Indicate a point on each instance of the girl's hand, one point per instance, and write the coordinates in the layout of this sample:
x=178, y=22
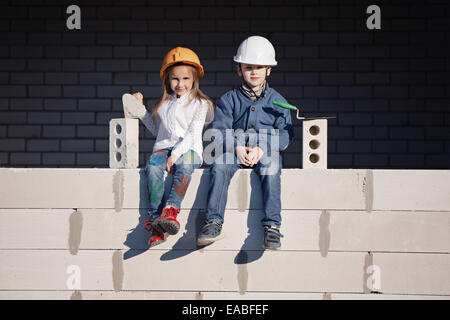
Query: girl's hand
x=139, y=96
x=170, y=162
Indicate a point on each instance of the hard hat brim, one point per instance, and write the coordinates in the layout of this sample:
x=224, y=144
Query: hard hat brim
x=237, y=60
x=190, y=63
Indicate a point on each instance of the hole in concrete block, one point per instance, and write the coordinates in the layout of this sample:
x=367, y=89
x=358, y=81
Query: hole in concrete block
x=118, y=128
x=314, y=130
x=118, y=156
x=118, y=143
x=314, y=158
x=314, y=144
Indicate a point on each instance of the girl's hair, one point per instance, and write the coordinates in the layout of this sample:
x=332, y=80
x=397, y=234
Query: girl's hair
x=195, y=92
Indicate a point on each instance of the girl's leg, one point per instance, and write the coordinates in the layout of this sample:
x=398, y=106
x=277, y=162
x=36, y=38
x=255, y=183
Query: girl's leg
x=154, y=170
x=183, y=169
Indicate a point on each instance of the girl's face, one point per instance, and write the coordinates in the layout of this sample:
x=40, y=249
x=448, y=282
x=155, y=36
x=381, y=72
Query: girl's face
x=181, y=80
x=253, y=74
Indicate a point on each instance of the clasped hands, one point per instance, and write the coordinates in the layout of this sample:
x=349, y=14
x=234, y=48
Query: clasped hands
x=249, y=156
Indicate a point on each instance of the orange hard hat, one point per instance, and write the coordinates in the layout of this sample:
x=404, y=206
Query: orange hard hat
x=181, y=55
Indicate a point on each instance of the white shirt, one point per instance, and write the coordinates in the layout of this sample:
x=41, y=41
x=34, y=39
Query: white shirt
x=180, y=126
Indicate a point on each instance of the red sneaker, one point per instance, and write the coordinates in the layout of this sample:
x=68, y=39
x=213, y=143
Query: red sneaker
x=167, y=221
x=155, y=236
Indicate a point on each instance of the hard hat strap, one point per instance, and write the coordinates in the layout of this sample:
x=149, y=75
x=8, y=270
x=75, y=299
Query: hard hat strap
x=249, y=89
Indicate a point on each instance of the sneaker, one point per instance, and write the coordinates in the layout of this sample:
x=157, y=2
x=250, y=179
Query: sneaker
x=167, y=221
x=210, y=232
x=272, y=237
x=155, y=236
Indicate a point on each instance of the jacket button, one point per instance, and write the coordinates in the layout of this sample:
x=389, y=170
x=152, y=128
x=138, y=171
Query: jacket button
x=253, y=108
x=250, y=126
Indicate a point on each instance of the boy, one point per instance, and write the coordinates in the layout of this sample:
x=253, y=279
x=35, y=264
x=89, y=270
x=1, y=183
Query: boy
x=249, y=112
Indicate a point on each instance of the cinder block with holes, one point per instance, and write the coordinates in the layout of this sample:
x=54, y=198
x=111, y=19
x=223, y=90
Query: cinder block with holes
x=123, y=143
x=315, y=144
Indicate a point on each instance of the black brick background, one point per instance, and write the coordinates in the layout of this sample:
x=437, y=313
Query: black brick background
x=390, y=88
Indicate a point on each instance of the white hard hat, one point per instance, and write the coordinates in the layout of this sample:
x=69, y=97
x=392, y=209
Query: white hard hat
x=256, y=50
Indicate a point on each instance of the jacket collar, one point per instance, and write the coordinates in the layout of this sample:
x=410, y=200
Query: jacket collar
x=247, y=95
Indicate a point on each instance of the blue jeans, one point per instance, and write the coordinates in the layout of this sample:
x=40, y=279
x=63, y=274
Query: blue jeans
x=268, y=170
x=182, y=172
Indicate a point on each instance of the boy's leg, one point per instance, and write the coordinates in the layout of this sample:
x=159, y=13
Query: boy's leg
x=269, y=173
x=154, y=171
x=183, y=169
x=220, y=175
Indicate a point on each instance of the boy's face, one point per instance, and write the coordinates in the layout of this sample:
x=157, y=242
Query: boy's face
x=181, y=80
x=253, y=74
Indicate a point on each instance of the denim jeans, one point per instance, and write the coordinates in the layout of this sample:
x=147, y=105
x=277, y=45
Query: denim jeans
x=268, y=170
x=182, y=172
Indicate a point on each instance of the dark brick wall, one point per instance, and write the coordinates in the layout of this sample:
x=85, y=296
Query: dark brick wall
x=390, y=88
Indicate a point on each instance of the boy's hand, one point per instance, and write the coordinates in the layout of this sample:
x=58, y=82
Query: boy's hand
x=241, y=154
x=170, y=162
x=139, y=96
x=254, y=155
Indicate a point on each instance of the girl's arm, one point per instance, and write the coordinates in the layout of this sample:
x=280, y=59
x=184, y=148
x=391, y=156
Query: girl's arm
x=134, y=108
x=194, y=130
x=148, y=122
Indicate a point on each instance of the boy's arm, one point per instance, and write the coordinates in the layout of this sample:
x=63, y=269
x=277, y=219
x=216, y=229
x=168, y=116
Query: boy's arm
x=286, y=131
x=285, y=134
x=223, y=121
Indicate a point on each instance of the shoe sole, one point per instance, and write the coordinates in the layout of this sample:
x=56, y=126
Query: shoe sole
x=206, y=241
x=155, y=243
x=171, y=227
x=271, y=248
x=155, y=226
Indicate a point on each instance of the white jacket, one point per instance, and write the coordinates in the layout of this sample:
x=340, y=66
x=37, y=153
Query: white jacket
x=180, y=126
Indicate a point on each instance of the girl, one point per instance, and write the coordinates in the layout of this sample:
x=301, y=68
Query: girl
x=177, y=120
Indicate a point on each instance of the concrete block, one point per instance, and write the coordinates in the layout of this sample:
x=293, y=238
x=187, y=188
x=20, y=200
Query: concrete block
x=315, y=144
x=213, y=271
x=410, y=189
x=407, y=273
x=305, y=230
x=124, y=143
x=331, y=189
x=201, y=295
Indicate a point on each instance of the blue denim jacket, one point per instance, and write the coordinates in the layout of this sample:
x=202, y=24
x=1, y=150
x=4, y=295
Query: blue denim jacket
x=236, y=110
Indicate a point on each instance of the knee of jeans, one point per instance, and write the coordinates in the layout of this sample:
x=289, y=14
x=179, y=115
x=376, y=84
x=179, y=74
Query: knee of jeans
x=185, y=169
x=219, y=168
x=270, y=169
x=152, y=170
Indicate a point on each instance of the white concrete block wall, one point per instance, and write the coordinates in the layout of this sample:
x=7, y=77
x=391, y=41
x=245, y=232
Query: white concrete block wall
x=346, y=233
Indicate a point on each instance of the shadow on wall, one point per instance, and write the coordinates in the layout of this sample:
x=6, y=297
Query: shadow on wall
x=137, y=239
x=251, y=249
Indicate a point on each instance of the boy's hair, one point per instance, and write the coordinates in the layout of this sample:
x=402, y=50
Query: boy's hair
x=196, y=93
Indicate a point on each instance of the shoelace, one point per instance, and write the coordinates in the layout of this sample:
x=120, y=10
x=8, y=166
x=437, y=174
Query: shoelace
x=216, y=225
x=172, y=212
x=148, y=225
x=274, y=231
